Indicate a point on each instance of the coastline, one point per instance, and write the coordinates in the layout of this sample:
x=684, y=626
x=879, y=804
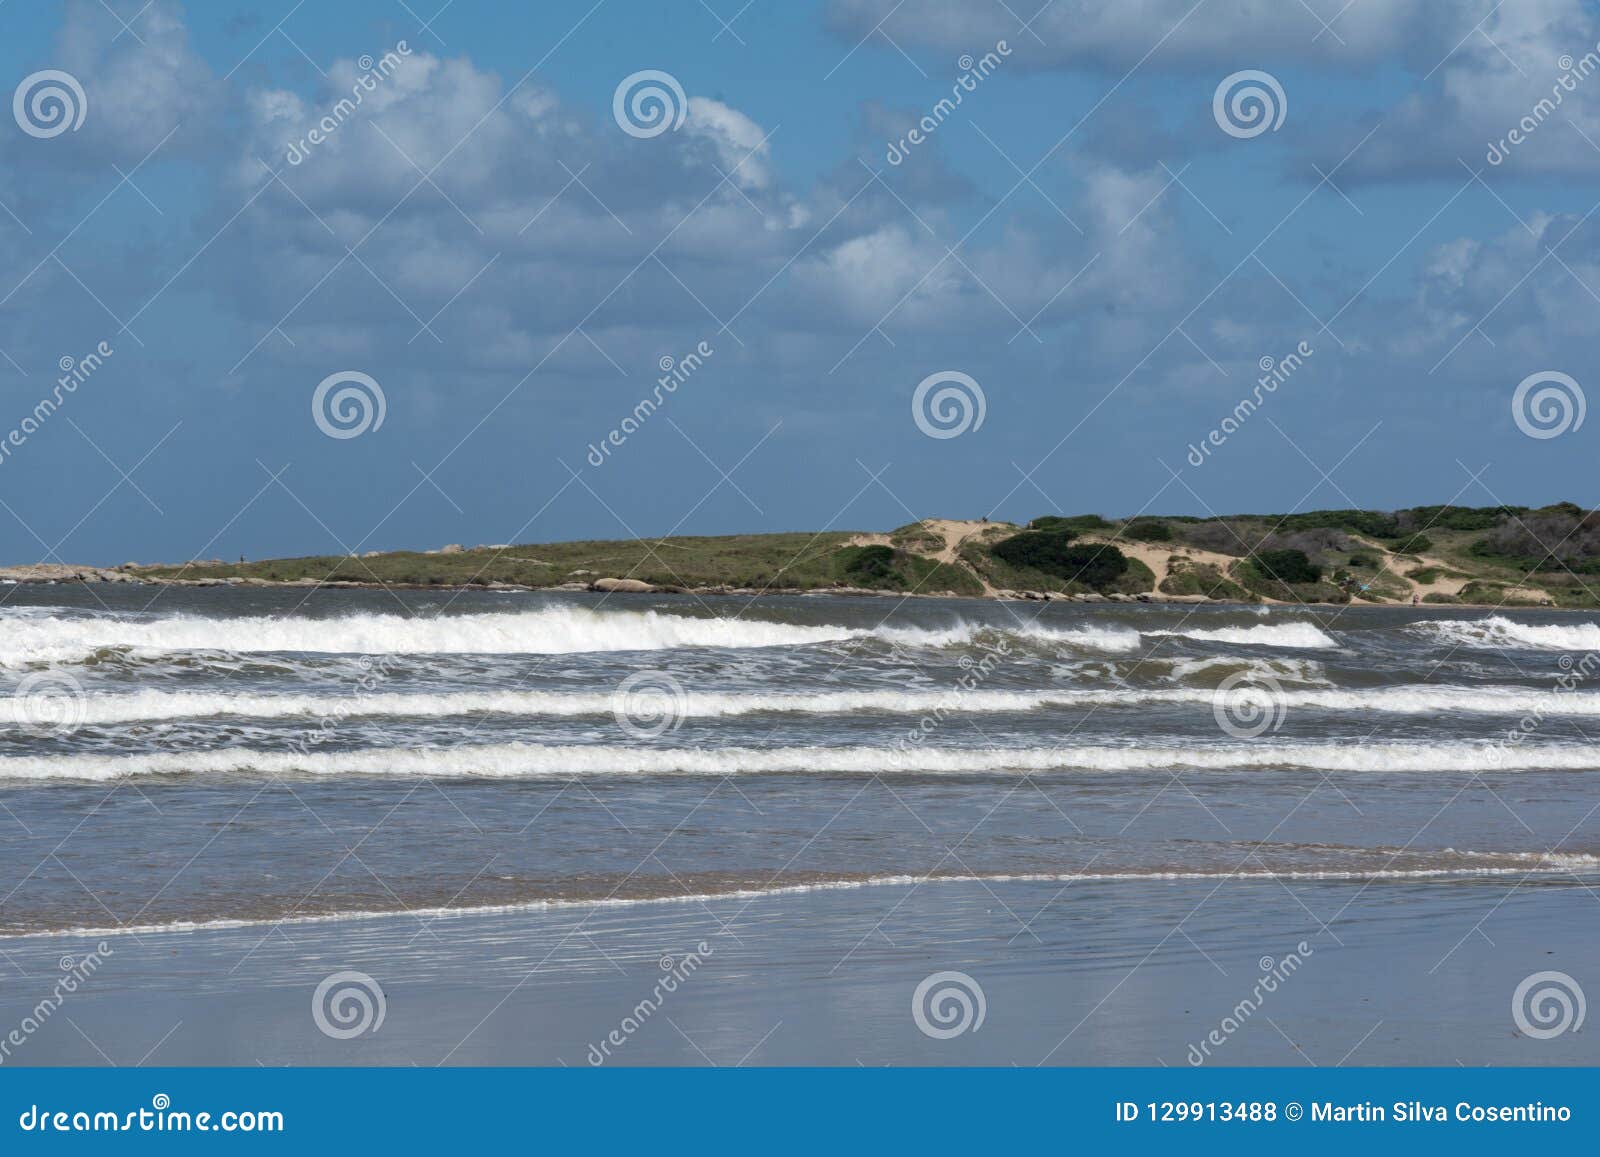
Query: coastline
x=89, y=575
x=1337, y=558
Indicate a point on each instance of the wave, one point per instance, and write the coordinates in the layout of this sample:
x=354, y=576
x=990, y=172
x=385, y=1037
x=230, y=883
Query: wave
x=533, y=761
x=549, y=630
x=1299, y=635
x=1500, y=632
x=1420, y=699
x=1527, y=864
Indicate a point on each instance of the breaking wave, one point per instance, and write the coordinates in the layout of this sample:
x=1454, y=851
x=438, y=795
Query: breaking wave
x=1417, y=699
x=1299, y=635
x=1498, y=631
x=530, y=761
x=549, y=630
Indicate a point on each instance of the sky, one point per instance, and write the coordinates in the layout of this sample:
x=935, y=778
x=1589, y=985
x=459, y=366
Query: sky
x=606, y=268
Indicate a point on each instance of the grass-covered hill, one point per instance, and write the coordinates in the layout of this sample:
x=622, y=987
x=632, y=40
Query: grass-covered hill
x=1510, y=556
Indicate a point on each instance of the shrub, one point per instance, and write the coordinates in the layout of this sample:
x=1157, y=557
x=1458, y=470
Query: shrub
x=1220, y=536
x=1039, y=549
x=1076, y=522
x=1148, y=530
x=1288, y=566
x=1097, y=566
x=867, y=564
x=1413, y=544
x=1052, y=552
x=1370, y=522
x=1363, y=562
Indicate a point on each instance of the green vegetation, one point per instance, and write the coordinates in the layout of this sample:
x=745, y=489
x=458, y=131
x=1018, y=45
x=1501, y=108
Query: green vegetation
x=1076, y=522
x=1288, y=566
x=1502, y=554
x=884, y=568
x=1148, y=530
x=1051, y=552
x=1185, y=577
x=1044, y=550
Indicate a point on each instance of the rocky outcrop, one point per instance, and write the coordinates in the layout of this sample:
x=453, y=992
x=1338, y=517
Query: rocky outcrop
x=622, y=586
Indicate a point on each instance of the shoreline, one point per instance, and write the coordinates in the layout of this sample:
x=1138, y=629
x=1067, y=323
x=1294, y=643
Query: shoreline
x=91, y=576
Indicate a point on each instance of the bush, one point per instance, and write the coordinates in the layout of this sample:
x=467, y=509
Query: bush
x=1375, y=523
x=1414, y=544
x=1052, y=552
x=1220, y=536
x=1288, y=566
x=1455, y=517
x=1201, y=578
x=1038, y=549
x=1097, y=566
x=1076, y=522
x=866, y=565
x=1363, y=562
x=1148, y=530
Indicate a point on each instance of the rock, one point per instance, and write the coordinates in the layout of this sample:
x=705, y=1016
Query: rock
x=451, y=548
x=580, y=572
x=621, y=586
x=129, y=566
x=570, y=587
x=372, y=554
x=493, y=546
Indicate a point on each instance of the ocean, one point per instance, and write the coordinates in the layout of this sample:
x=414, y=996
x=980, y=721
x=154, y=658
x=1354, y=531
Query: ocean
x=1107, y=822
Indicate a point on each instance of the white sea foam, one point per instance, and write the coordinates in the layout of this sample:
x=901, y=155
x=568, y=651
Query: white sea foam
x=1299, y=635
x=548, y=630
x=1498, y=631
x=530, y=761
x=1530, y=863
x=1417, y=699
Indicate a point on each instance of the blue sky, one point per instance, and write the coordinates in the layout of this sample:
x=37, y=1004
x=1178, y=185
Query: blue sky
x=1081, y=237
